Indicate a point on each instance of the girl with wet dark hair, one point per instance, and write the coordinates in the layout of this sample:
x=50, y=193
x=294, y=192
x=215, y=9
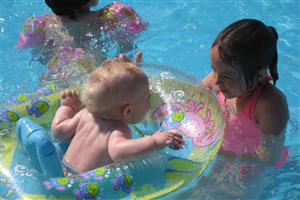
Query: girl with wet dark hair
x=75, y=22
x=256, y=113
x=76, y=39
x=71, y=9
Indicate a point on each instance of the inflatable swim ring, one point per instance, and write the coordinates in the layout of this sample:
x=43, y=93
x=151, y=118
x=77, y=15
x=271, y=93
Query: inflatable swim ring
x=175, y=104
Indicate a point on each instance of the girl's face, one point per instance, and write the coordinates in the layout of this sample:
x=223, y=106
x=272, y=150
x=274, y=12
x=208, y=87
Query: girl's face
x=229, y=79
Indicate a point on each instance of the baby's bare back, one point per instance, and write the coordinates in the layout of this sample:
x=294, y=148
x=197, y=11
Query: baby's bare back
x=89, y=147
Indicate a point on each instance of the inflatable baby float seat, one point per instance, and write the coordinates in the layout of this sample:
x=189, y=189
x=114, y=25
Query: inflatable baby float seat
x=38, y=146
x=175, y=103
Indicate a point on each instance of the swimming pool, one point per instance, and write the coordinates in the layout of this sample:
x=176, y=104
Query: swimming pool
x=179, y=35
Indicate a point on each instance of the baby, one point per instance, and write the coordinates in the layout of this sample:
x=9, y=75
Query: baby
x=114, y=95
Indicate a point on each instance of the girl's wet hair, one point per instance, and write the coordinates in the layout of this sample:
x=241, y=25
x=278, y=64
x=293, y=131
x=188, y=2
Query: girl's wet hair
x=68, y=8
x=249, y=45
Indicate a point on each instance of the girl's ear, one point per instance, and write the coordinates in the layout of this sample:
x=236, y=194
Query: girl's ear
x=258, y=78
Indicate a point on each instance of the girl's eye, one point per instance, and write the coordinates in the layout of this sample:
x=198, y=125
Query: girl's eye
x=226, y=77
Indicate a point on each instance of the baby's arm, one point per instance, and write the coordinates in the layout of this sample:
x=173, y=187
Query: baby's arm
x=65, y=120
x=122, y=148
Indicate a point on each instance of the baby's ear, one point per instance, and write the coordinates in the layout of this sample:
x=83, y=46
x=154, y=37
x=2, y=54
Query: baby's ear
x=138, y=59
x=127, y=110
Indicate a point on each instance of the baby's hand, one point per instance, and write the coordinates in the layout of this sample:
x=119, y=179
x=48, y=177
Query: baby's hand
x=171, y=139
x=71, y=99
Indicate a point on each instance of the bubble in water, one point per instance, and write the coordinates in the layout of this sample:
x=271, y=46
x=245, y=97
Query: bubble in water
x=22, y=170
x=2, y=25
x=178, y=94
x=167, y=75
x=4, y=132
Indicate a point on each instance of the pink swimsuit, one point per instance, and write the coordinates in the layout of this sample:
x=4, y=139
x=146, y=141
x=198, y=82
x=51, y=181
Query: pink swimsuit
x=241, y=134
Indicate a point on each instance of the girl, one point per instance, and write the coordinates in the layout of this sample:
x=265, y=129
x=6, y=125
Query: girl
x=74, y=22
x=256, y=112
x=76, y=38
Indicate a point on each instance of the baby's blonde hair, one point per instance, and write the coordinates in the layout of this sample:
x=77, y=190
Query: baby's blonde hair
x=111, y=86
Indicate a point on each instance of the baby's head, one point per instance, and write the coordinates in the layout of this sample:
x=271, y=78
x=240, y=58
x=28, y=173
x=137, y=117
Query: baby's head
x=70, y=8
x=117, y=91
x=248, y=46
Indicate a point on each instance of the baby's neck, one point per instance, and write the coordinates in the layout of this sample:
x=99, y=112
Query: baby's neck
x=110, y=119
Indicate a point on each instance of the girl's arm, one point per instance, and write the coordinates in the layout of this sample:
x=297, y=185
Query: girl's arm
x=270, y=150
x=272, y=116
x=122, y=148
x=271, y=111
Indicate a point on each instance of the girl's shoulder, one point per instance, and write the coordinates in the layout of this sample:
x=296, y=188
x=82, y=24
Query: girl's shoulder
x=271, y=110
x=118, y=14
x=271, y=95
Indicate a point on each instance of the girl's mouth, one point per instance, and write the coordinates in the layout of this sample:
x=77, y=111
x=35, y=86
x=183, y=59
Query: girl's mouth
x=223, y=91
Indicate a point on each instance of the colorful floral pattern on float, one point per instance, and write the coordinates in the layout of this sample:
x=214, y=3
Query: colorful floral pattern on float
x=157, y=175
x=38, y=106
x=185, y=119
x=42, y=91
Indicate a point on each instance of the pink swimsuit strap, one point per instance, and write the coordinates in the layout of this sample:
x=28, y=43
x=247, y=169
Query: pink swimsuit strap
x=250, y=106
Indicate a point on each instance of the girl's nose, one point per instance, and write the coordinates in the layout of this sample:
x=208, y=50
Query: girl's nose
x=217, y=79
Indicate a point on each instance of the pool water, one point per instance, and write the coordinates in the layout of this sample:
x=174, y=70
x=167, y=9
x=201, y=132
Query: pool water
x=179, y=35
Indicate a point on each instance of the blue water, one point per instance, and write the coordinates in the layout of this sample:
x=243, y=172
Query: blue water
x=179, y=35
